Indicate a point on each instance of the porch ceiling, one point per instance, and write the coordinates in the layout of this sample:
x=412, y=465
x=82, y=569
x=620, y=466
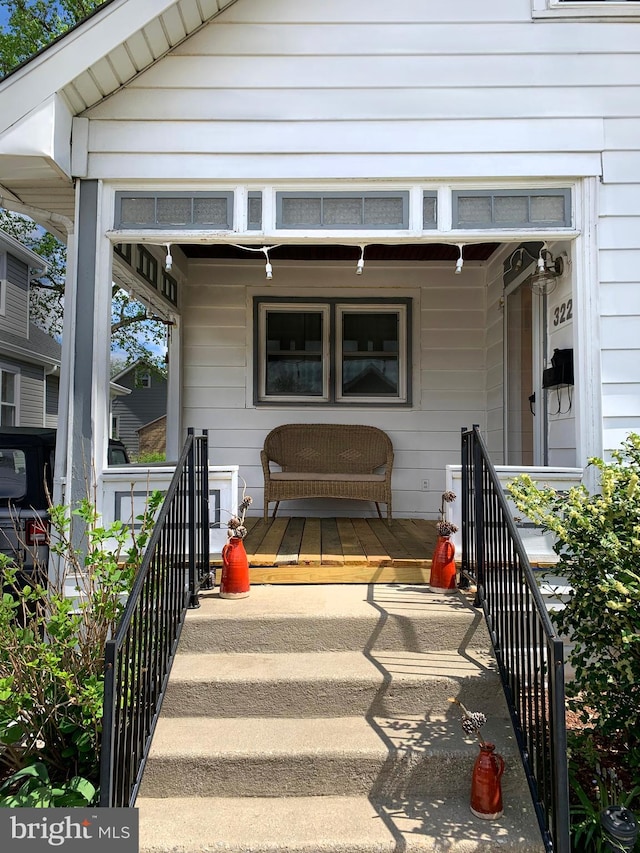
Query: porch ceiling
x=374, y=252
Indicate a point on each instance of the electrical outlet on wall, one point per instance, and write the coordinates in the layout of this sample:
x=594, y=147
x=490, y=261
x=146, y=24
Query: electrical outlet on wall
x=425, y=485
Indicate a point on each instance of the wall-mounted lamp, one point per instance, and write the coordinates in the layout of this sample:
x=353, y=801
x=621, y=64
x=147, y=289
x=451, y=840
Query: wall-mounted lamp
x=544, y=280
x=460, y=261
x=168, y=261
x=360, y=264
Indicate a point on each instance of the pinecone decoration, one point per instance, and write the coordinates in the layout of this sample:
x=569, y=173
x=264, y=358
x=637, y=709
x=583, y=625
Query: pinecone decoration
x=472, y=721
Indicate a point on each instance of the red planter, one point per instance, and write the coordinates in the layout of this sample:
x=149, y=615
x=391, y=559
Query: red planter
x=443, y=567
x=234, y=582
x=486, y=790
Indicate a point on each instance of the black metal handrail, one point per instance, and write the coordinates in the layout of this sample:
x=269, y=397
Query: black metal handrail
x=138, y=658
x=529, y=653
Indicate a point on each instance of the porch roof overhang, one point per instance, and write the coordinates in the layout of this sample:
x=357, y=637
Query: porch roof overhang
x=41, y=97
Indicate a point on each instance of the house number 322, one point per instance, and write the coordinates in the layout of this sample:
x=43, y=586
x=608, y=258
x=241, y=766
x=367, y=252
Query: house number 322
x=563, y=313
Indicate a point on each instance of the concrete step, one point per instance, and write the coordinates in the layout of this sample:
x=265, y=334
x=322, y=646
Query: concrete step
x=331, y=825
x=331, y=684
x=382, y=758
x=333, y=617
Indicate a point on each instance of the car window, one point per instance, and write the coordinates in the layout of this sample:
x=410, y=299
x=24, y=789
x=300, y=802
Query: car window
x=13, y=474
x=117, y=456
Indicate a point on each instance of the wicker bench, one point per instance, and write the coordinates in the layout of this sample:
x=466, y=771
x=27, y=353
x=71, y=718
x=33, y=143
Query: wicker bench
x=327, y=461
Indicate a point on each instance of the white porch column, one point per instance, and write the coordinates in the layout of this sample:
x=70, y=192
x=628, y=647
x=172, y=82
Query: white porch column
x=84, y=380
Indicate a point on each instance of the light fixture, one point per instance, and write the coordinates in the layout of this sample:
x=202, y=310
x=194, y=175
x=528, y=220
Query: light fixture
x=268, y=269
x=360, y=264
x=544, y=280
x=168, y=261
x=460, y=261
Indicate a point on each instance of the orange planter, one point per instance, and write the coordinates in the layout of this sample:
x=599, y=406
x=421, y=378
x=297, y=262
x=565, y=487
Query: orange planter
x=443, y=567
x=234, y=582
x=486, y=790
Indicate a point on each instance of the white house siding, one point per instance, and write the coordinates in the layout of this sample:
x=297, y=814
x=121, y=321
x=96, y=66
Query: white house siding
x=619, y=239
x=448, y=368
x=299, y=90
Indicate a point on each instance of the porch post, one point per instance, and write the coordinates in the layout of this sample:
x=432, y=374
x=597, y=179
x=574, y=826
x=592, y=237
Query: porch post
x=83, y=359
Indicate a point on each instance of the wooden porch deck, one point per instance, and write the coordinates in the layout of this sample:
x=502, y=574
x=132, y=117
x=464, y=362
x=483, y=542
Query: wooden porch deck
x=339, y=550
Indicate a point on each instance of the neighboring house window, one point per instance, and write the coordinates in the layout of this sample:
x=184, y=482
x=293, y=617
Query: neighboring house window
x=144, y=380
x=341, y=351
x=3, y=283
x=115, y=426
x=8, y=398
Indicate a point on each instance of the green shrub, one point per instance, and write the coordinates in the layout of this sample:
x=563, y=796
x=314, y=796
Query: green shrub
x=52, y=651
x=598, y=545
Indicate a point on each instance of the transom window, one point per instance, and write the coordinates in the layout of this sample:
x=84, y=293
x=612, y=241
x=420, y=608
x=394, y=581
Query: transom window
x=174, y=210
x=8, y=398
x=512, y=208
x=384, y=210
x=333, y=351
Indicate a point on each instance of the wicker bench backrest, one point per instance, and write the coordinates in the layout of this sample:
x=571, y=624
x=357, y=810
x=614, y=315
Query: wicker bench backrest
x=328, y=448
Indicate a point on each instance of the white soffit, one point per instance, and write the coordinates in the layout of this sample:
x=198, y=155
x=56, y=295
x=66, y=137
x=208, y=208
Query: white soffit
x=120, y=40
x=140, y=50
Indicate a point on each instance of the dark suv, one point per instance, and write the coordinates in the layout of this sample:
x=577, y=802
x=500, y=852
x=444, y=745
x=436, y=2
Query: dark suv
x=26, y=486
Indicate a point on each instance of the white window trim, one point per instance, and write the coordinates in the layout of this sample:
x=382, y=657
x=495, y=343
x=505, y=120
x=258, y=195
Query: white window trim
x=343, y=308
x=16, y=392
x=604, y=10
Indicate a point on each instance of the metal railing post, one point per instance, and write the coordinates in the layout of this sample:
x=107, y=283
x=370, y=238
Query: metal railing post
x=194, y=600
x=478, y=513
x=465, y=561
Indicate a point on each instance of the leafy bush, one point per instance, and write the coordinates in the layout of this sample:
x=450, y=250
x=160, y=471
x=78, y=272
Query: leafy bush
x=598, y=545
x=52, y=652
x=32, y=788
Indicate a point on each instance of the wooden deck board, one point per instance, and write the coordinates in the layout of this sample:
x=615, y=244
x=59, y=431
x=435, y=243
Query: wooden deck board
x=310, y=548
x=267, y=553
x=377, y=554
x=331, y=546
x=389, y=539
x=289, y=551
x=351, y=545
x=408, y=534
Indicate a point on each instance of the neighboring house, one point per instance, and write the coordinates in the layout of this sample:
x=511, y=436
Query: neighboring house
x=146, y=402
x=231, y=163
x=29, y=358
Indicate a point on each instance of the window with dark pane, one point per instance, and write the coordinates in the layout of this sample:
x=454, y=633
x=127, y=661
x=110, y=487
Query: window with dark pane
x=370, y=354
x=294, y=362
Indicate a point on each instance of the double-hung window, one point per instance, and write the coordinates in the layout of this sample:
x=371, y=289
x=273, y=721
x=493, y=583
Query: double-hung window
x=8, y=398
x=334, y=351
